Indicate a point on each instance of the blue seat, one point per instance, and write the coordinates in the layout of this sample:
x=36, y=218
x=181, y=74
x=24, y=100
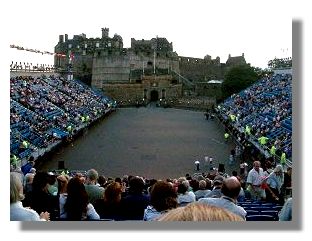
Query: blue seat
x=271, y=213
x=260, y=208
x=252, y=212
x=260, y=217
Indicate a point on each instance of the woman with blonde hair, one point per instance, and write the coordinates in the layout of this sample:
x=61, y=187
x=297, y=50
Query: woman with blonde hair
x=17, y=211
x=199, y=212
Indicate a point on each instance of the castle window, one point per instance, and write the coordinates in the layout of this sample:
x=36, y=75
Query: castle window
x=97, y=45
x=69, y=46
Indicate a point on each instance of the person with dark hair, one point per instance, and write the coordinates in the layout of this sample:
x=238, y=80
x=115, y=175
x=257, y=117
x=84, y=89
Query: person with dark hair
x=185, y=195
x=77, y=206
x=101, y=181
x=163, y=198
x=40, y=198
x=230, y=190
x=216, y=191
x=135, y=201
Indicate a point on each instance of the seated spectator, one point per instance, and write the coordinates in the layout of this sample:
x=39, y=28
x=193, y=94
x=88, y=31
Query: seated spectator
x=40, y=198
x=135, y=201
x=28, y=180
x=94, y=191
x=230, y=190
x=17, y=211
x=203, y=191
x=286, y=212
x=217, y=184
x=199, y=212
x=110, y=207
x=184, y=195
x=77, y=207
x=62, y=192
x=163, y=198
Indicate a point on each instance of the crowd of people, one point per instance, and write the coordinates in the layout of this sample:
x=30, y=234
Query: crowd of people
x=45, y=110
x=83, y=196
x=262, y=114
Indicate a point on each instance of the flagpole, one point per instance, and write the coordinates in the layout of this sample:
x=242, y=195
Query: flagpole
x=154, y=60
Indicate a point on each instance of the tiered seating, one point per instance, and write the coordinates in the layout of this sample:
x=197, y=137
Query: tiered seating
x=45, y=110
x=266, y=107
x=260, y=211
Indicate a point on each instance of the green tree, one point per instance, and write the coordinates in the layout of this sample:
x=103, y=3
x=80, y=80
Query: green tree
x=238, y=78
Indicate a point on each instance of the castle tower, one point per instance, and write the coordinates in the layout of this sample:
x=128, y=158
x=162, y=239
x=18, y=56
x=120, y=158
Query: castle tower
x=105, y=32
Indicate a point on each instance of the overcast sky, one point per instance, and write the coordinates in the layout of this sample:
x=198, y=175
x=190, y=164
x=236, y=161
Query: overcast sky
x=261, y=30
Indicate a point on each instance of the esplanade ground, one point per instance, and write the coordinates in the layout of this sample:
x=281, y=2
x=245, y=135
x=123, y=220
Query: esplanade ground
x=148, y=141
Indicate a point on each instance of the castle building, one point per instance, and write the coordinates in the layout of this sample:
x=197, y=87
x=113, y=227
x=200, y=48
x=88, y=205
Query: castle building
x=149, y=69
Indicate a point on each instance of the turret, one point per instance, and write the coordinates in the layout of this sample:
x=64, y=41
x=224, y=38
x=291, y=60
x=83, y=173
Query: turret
x=105, y=32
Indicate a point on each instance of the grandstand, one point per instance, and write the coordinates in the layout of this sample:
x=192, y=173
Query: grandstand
x=266, y=109
x=44, y=111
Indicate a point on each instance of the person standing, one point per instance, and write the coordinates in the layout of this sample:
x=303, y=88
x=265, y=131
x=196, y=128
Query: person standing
x=254, y=180
x=274, y=184
x=197, y=163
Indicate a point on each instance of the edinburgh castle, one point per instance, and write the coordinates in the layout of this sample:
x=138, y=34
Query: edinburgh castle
x=149, y=70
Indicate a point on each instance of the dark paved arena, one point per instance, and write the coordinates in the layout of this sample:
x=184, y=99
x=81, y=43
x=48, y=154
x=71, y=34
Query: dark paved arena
x=151, y=142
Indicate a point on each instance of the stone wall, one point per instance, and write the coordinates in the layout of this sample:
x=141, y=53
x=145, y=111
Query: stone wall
x=109, y=69
x=209, y=89
x=198, y=70
x=130, y=93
